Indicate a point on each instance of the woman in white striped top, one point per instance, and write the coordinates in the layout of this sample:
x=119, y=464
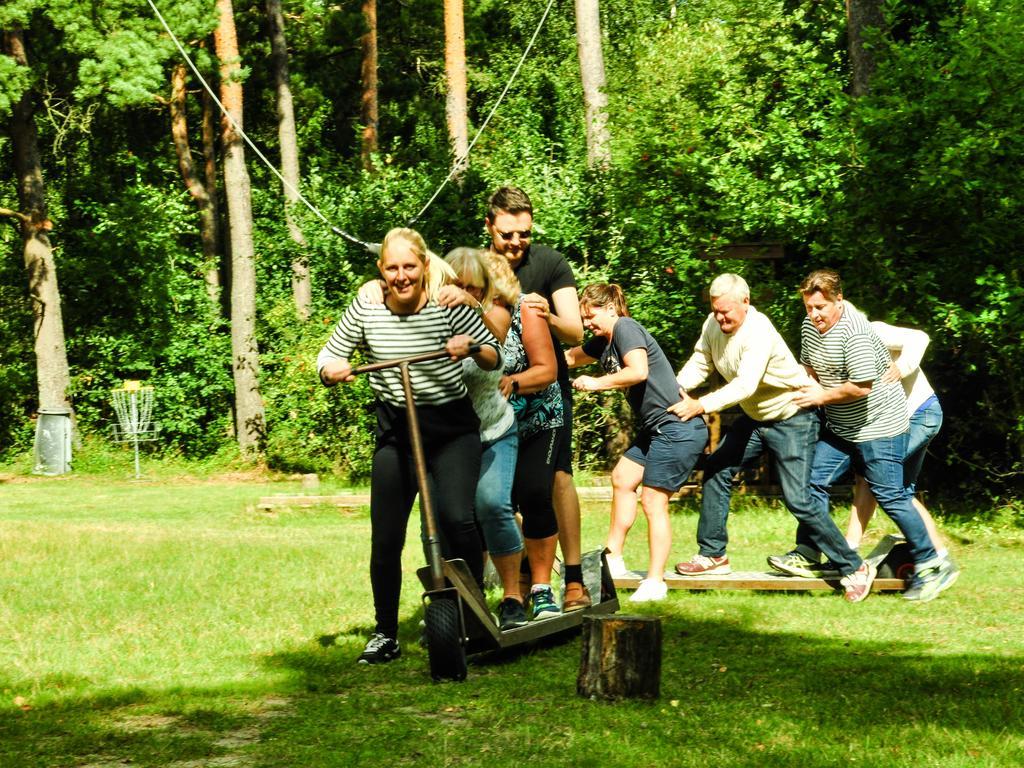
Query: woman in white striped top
x=410, y=322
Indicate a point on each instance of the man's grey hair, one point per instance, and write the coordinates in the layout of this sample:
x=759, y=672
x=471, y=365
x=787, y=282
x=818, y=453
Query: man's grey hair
x=729, y=284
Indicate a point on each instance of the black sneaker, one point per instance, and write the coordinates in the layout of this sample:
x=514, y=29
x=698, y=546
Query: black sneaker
x=380, y=649
x=511, y=614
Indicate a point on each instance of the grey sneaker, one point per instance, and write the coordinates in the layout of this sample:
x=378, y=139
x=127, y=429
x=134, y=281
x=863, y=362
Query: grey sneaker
x=950, y=572
x=795, y=563
x=929, y=582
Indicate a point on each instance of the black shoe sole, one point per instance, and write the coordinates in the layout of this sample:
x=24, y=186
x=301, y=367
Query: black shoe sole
x=379, y=660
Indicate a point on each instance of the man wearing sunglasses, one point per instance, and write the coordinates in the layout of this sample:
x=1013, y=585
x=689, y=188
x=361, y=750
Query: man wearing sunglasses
x=548, y=282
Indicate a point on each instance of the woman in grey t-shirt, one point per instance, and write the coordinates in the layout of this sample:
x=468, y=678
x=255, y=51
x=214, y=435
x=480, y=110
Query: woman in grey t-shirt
x=665, y=449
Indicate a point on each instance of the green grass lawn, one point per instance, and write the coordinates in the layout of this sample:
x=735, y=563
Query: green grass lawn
x=171, y=623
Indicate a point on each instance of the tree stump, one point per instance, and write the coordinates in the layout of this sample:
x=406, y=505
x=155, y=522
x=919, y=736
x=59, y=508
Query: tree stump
x=620, y=658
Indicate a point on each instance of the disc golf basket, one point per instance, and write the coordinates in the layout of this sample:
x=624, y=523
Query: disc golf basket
x=133, y=404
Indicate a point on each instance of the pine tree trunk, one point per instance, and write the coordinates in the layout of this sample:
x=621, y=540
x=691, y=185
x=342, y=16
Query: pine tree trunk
x=250, y=418
x=369, y=109
x=53, y=376
x=455, y=70
x=860, y=15
x=196, y=188
x=592, y=77
x=302, y=289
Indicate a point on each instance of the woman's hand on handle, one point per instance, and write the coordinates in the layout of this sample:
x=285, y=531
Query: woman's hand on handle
x=459, y=346
x=336, y=371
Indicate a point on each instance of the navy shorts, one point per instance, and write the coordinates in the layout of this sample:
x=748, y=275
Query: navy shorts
x=669, y=452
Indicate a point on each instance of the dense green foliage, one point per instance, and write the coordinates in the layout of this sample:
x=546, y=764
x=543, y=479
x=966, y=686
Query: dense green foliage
x=730, y=123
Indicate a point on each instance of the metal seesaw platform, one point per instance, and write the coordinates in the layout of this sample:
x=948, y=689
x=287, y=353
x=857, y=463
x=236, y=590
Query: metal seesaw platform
x=481, y=631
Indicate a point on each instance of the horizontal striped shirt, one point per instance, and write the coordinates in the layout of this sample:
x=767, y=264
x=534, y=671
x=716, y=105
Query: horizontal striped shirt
x=851, y=351
x=387, y=336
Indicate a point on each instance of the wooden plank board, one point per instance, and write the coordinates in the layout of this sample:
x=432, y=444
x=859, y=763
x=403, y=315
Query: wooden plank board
x=298, y=500
x=758, y=580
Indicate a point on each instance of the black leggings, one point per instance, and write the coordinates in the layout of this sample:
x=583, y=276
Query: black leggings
x=453, y=467
x=535, y=479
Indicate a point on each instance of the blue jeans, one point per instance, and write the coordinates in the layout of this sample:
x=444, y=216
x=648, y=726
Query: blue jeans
x=924, y=425
x=880, y=462
x=494, y=512
x=791, y=441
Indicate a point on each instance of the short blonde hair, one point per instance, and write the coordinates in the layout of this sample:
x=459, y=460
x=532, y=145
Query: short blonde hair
x=437, y=273
x=469, y=262
x=488, y=270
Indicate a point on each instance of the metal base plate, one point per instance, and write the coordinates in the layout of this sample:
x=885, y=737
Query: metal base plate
x=482, y=631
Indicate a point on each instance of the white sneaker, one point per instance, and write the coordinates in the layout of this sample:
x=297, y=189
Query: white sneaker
x=617, y=566
x=649, y=591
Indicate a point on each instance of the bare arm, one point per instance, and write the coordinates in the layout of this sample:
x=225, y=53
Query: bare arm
x=497, y=318
x=634, y=370
x=540, y=351
x=335, y=372
x=576, y=357
x=487, y=358
x=814, y=394
x=563, y=314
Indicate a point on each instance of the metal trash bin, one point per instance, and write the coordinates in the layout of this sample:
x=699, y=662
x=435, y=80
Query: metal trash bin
x=53, y=441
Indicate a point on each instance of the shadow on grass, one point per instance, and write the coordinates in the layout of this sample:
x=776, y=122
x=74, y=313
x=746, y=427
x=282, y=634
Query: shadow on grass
x=133, y=727
x=730, y=696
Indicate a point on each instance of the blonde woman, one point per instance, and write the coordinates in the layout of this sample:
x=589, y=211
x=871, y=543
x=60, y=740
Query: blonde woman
x=487, y=285
x=409, y=322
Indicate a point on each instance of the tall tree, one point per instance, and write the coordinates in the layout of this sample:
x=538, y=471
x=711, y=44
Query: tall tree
x=369, y=103
x=53, y=377
x=592, y=77
x=209, y=134
x=302, y=290
x=250, y=417
x=456, y=109
x=204, y=197
x=861, y=15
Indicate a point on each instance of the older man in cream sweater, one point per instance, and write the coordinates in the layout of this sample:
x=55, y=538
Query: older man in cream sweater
x=762, y=376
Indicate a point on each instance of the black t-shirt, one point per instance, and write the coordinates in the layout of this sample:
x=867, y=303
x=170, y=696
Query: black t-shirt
x=544, y=270
x=649, y=398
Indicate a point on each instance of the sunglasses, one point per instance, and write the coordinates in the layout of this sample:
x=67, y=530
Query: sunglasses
x=524, y=234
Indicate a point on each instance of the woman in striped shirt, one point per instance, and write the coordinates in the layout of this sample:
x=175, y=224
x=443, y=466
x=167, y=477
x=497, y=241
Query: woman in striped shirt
x=410, y=322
